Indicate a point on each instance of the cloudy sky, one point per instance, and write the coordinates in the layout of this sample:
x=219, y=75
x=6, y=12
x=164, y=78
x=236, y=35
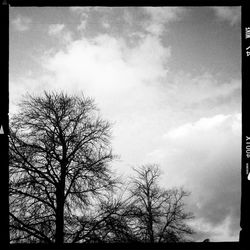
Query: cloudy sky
x=168, y=78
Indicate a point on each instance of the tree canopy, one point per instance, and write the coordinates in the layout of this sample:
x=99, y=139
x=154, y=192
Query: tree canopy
x=59, y=155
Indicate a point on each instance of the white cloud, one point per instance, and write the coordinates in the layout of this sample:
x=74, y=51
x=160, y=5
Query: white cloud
x=159, y=16
x=55, y=29
x=21, y=23
x=60, y=32
x=205, y=124
x=107, y=69
x=80, y=9
x=84, y=13
x=82, y=25
x=165, y=14
x=229, y=14
x=106, y=25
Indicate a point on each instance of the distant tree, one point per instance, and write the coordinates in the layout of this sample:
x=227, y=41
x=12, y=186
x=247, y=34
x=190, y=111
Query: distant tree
x=156, y=214
x=59, y=156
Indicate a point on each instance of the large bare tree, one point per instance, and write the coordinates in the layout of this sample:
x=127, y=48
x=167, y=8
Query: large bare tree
x=59, y=156
x=157, y=214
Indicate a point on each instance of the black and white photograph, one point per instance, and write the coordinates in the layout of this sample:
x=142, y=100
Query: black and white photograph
x=125, y=124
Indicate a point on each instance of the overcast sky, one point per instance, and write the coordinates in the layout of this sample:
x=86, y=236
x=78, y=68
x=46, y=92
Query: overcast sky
x=168, y=78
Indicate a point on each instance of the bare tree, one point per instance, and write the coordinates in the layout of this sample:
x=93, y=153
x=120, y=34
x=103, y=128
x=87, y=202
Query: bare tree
x=59, y=156
x=157, y=214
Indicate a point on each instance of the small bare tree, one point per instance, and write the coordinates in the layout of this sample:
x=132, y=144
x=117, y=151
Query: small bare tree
x=157, y=214
x=59, y=156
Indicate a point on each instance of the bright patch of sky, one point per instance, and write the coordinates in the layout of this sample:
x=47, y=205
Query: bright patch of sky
x=169, y=78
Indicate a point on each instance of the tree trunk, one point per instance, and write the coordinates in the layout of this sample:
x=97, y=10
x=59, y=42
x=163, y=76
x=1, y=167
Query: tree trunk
x=60, y=199
x=60, y=194
x=150, y=218
x=151, y=232
x=60, y=216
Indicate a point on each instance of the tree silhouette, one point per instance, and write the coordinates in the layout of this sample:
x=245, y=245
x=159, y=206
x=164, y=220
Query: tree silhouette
x=157, y=214
x=59, y=156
